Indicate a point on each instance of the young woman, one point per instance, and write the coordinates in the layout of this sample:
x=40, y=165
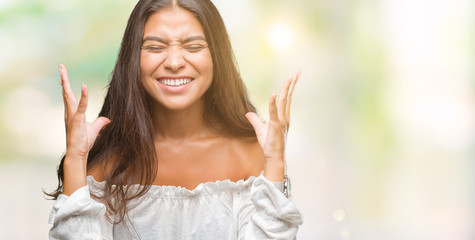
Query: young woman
x=177, y=151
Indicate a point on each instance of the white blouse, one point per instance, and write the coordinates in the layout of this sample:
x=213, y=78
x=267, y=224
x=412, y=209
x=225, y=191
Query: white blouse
x=248, y=209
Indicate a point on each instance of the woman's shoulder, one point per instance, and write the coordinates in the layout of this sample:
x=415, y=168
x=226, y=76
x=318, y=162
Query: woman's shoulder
x=249, y=153
x=98, y=171
x=246, y=152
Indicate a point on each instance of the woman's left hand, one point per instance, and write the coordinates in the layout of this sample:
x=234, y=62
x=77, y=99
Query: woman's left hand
x=272, y=135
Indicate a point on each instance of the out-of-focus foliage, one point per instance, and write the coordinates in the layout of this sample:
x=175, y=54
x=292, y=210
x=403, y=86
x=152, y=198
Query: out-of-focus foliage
x=382, y=129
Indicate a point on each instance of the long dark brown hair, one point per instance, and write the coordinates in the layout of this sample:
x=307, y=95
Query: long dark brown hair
x=125, y=147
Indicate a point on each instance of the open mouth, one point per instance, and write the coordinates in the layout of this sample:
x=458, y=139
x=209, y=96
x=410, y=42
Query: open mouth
x=175, y=82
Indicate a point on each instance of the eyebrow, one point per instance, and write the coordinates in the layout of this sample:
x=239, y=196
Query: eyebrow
x=188, y=39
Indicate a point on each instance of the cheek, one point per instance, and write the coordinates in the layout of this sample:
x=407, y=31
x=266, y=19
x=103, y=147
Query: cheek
x=204, y=64
x=149, y=62
x=144, y=63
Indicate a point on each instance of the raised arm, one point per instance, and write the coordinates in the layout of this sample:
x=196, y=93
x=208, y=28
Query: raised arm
x=80, y=135
x=267, y=213
x=75, y=215
x=272, y=135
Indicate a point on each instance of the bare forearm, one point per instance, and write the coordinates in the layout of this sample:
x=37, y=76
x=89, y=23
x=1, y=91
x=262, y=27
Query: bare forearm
x=74, y=174
x=274, y=170
x=80, y=135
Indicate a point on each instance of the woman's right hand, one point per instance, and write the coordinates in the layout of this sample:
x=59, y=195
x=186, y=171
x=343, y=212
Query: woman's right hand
x=80, y=135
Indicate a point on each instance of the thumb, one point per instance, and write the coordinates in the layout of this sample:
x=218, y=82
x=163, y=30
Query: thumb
x=255, y=120
x=99, y=124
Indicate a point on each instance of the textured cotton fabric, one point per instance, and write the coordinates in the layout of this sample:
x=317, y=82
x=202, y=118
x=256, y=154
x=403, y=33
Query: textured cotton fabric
x=248, y=209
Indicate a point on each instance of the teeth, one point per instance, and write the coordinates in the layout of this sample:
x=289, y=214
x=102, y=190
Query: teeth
x=175, y=82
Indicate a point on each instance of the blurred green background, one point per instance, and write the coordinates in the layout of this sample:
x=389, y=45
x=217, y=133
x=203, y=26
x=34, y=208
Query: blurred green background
x=382, y=132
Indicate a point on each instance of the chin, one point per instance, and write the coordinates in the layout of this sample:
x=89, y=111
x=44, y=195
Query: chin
x=176, y=106
x=179, y=103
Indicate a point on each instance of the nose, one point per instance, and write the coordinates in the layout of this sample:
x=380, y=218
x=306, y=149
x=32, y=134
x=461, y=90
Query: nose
x=175, y=60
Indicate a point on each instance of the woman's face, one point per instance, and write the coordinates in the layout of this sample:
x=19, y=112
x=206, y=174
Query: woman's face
x=175, y=61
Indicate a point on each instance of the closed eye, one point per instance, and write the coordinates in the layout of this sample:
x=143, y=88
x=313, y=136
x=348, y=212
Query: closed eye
x=154, y=48
x=195, y=48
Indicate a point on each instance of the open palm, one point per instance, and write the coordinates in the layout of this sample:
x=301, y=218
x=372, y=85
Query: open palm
x=272, y=135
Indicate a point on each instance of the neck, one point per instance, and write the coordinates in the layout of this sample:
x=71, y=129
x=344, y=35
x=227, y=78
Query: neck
x=180, y=124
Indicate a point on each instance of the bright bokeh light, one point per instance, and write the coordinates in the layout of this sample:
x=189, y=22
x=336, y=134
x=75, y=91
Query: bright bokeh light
x=382, y=131
x=339, y=215
x=280, y=36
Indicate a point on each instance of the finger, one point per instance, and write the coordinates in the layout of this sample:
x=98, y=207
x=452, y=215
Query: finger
x=283, y=99
x=99, y=124
x=68, y=94
x=66, y=109
x=255, y=121
x=290, y=93
x=83, y=101
x=65, y=102
x=273, y=114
